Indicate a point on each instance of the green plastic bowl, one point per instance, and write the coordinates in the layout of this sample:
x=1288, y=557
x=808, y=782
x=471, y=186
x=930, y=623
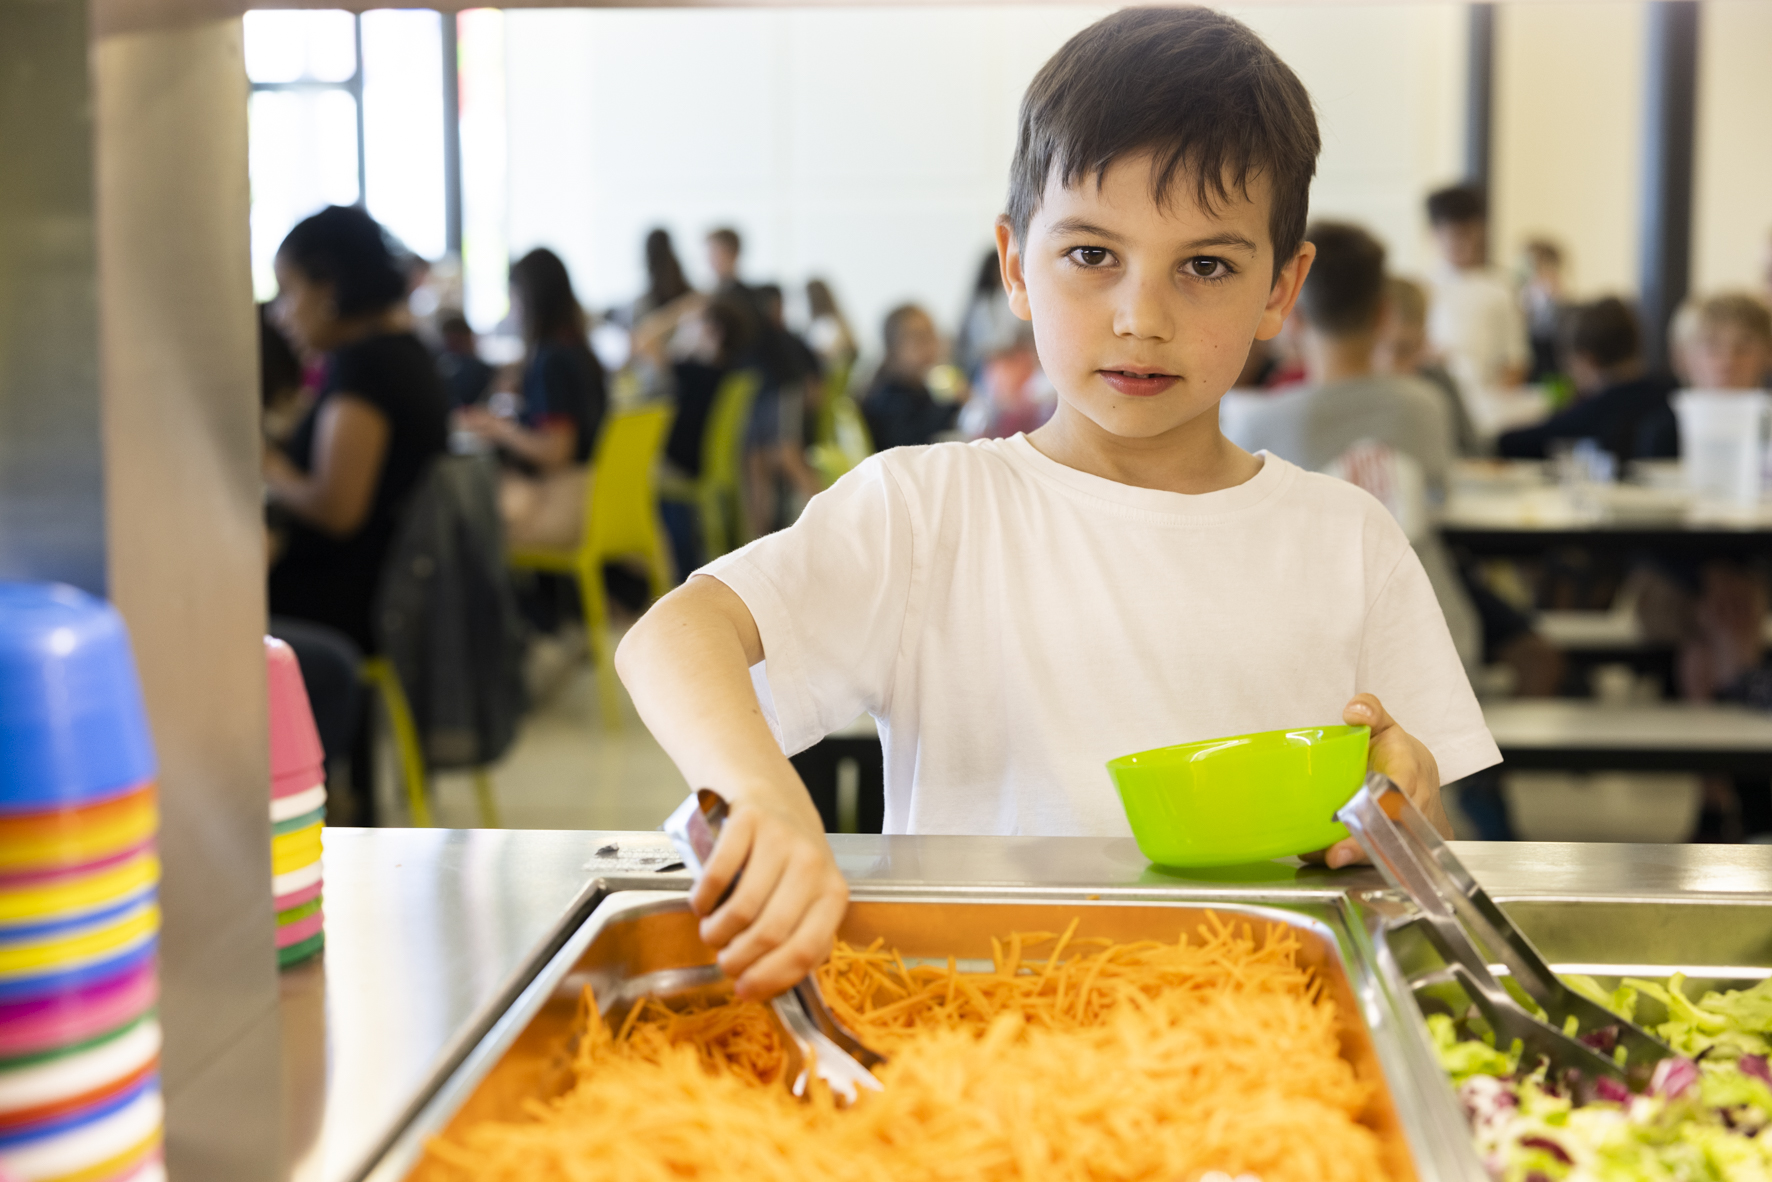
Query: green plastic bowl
x=1241, y=799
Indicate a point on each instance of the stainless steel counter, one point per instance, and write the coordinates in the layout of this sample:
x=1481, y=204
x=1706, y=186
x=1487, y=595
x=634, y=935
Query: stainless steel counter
x=431, y=932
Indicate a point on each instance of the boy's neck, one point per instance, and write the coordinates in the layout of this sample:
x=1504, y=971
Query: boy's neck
x=1194, y=458
x=1337, y=358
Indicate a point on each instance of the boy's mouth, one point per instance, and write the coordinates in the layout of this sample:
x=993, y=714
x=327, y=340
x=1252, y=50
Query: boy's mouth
x=1138, y=383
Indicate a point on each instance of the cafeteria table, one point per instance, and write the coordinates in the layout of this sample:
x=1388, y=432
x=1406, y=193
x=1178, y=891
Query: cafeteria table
x=1515, y=509
x=1580, y=735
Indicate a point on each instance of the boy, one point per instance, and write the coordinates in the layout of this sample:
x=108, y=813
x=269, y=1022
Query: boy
x=1339, y=310
x=898, y=406
x=1474, y=323
x=1402, y=349
x=1015, y=612
x=1604, y=358
x=1720, y=343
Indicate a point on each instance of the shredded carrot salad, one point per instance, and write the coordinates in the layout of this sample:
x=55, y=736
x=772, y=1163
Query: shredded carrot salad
x=1074, y=1058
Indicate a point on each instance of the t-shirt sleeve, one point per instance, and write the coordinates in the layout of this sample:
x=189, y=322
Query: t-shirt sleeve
x=1408, y=660
x=829, y=596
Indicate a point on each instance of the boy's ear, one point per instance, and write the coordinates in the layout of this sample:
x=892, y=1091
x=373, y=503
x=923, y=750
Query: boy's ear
x=1284, y=293
x=1009, y=259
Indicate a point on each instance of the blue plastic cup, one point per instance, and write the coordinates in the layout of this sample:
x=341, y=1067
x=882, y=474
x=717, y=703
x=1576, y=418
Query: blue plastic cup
x=72, y=727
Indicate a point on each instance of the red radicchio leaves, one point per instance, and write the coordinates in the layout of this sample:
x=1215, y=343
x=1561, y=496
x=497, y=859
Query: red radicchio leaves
x=1673, y=1078
x=1755, y=1065
x=1549, y=1146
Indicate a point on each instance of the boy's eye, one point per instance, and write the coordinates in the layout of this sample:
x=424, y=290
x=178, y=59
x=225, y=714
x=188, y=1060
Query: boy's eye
x=1090, y=256
x=1207, y=267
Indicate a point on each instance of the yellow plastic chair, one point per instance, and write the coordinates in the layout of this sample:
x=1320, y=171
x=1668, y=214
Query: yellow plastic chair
x=716, y=493
x=843, y=440
x=379, y=673
x=621, y=521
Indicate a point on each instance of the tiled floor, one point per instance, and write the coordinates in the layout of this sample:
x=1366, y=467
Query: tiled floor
x=567, y=771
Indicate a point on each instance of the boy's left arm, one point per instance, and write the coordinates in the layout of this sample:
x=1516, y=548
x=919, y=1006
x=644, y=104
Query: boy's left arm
x=1402, y=757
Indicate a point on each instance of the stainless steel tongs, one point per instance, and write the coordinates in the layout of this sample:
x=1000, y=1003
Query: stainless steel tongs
x=817, y=1043
x=1454, y=909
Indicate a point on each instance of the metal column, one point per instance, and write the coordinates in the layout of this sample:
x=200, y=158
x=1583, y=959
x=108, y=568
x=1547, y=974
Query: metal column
x=1669, y=129
x=1479, y=110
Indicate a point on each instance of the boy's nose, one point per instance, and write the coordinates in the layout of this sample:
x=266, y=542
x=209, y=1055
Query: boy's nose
x=1144, y=311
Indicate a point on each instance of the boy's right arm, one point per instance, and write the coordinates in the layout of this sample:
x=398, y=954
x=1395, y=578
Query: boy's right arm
x=686, y=665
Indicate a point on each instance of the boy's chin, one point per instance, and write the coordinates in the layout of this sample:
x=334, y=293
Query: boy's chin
x=1150, y=419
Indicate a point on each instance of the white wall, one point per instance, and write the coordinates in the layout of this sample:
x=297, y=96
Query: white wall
x=1733, y=202
x=1568, y=136
x=871, y=146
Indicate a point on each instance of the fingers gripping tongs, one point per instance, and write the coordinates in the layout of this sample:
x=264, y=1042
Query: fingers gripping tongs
x=817, y=1044
x=1466, y=927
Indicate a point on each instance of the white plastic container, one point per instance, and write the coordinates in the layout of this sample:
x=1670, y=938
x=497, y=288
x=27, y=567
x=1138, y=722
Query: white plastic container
x=1722, y=442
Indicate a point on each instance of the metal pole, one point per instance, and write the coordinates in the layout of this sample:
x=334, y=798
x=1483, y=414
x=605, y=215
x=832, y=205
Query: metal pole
x=1479, y=118
x=356, y=85
x=1669, y=131
x=451, y=136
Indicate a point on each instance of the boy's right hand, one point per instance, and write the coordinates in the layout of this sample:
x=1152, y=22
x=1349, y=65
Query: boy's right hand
x=779, y=923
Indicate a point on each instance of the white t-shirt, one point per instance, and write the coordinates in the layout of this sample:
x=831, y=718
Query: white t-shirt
x=1012, y=624
x=1476, y=325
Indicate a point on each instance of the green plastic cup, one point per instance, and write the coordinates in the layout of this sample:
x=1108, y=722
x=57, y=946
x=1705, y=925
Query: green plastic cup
x=1241, y=799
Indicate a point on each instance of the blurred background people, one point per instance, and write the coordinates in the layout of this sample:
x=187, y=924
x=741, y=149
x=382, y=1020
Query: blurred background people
x=1474, y=322
x=1011, y=394
x=548, y=443
x=1615, y=398
x=987, y=326
x=828, y=330
x=1542, y=298
x=377, y=421
x=899, y=408
x=780, y=481
x=1402, y=349
x=1723, y=342
x=665, y=281
x=466, y=378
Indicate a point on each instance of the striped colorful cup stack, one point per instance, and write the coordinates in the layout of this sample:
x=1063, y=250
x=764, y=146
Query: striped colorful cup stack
x=298, y=808
x=79, y=921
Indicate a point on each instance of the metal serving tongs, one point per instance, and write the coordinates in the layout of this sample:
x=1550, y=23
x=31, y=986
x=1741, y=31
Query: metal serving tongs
x=1454, y=909
x=817, y=1044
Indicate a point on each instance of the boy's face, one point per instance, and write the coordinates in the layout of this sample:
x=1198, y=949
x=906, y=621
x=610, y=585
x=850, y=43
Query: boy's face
x=915, y=347
x=1464, y=244
x=1144, y=314
x=1728, y=357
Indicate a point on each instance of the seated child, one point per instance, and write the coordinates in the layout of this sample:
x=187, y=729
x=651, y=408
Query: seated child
x=1720, y=343
x=1402, y=349
x=898, y=407
x=1015, y=612
x=1614, y=397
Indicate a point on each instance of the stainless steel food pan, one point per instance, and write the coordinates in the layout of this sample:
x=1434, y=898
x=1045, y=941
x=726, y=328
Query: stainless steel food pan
x=640, y=942
x=1719, y=943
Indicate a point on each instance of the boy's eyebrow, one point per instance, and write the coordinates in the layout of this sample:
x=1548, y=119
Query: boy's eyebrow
x=1090, y=229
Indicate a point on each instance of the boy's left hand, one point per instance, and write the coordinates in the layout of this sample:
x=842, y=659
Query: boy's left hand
x=1403, y=758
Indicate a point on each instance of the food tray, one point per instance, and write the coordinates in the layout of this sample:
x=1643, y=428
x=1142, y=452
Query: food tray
x=1719, y=943
x=644, y=942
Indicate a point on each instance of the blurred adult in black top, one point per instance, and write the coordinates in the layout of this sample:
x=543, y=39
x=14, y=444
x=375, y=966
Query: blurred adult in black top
x=898, y=406
x=1614, y=397
x=466, y=378
x=376, y=424
x=554, y=434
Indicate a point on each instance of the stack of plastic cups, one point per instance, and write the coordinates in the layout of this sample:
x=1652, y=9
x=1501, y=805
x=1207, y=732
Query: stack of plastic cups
x=79, y=920
x=298, y=808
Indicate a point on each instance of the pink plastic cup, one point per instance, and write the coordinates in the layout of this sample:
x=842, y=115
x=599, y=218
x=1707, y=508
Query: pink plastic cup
x=298, y=762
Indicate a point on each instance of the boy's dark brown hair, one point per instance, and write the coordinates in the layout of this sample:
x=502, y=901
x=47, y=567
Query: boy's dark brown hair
x=1344, y=292
x=1605, y=332
x=1198, y=89
x=1456, y=203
